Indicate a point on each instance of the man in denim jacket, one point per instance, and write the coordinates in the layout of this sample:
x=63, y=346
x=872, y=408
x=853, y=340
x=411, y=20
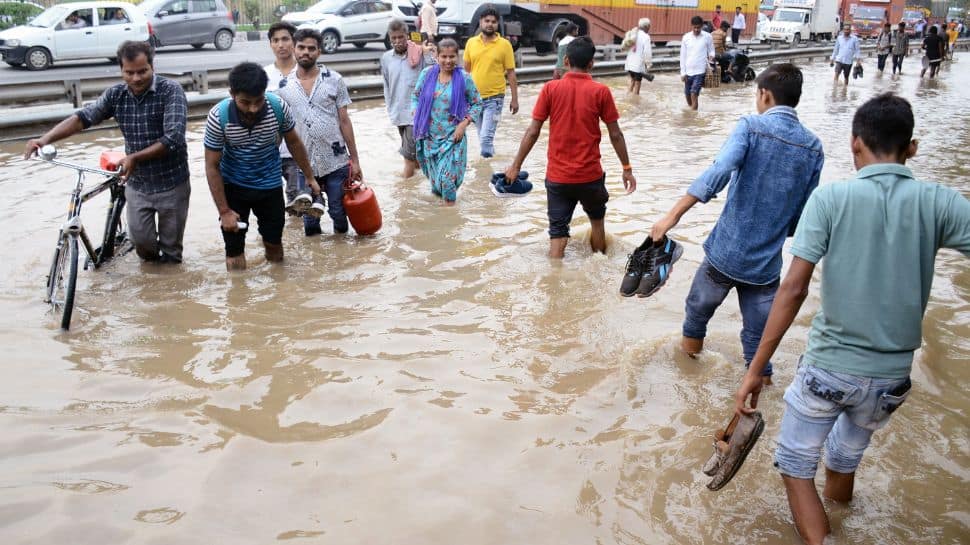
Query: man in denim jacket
x=878, y=235
x=773, y=163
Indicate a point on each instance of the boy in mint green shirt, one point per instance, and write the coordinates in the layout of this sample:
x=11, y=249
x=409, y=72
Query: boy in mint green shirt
x=878, y=235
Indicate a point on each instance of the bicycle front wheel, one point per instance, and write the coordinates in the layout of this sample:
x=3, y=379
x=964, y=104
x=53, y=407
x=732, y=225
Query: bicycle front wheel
x=62, y=281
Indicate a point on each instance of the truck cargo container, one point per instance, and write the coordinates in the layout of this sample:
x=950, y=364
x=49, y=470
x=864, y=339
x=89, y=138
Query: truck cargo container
x=868, y=16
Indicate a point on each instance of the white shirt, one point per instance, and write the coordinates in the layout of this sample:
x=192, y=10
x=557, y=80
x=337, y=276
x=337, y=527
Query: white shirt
x=695, y=52
x=739, y=22
x=429, y=18
x=275, y=77
x=640, y=56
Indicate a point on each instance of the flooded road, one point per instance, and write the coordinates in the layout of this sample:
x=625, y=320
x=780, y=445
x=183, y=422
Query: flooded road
x=444, y=382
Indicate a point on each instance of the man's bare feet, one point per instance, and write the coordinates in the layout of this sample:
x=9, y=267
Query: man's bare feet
x=236, y=263
x=766, y=381
x=691, y=346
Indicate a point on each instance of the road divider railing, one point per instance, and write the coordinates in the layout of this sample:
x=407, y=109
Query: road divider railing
x=363, y=80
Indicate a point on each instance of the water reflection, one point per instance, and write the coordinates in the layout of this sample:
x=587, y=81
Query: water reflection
x=443, y=379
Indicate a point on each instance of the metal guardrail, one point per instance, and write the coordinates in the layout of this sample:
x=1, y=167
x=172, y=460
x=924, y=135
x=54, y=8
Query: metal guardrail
x=370, y=87
x=76, y=91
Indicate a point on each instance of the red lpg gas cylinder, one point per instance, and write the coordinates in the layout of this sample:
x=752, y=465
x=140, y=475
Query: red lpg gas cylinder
x=111, y=159
x=362, y=209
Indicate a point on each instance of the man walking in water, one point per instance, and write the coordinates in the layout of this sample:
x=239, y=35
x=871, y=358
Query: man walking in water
x=575, y=105
x=878, y=235
x=490, y=60
x=846, y=52
x=319, y=101
x=400, y=68
x=151, y=113
x=282, y=72
x=696, y=54
x=773, y=163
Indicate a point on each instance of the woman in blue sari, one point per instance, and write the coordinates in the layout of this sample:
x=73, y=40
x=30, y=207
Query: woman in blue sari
x=444, y=102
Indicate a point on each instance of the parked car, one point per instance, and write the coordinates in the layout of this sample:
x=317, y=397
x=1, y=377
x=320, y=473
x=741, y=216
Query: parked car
x=77, y=30
x=190, y=22
x=358, y=22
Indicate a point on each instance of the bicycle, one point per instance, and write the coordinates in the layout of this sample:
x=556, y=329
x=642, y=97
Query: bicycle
x=62, y=279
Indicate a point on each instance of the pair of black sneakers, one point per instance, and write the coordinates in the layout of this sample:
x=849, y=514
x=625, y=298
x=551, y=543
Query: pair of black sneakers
x=649, y=267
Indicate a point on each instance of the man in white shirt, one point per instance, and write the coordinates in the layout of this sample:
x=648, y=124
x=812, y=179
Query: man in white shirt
x=282, y=72
x=428, y=19
x=640, y=57
x=845, y=52
x=696, y=54
x=738, y=26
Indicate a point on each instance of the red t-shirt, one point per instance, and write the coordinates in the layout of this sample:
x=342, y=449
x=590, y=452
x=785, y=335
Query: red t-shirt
x=574, y=105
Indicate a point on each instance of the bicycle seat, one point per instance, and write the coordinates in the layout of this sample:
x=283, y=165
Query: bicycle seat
x=110, y=160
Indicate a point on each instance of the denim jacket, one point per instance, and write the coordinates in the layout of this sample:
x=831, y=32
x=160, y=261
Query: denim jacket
x=774, y=163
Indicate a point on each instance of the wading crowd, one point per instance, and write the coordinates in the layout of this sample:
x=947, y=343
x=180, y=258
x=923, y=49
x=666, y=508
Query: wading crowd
x=284, y=142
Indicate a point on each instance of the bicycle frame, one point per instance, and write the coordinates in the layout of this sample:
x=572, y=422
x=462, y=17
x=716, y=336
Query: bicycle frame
x=73, y=224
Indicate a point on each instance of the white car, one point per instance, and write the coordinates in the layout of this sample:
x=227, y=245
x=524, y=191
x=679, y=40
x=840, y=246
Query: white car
x=78, y=30
x=342, y=21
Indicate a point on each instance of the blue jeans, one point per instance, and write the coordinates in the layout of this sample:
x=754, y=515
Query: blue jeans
x=487, y=122
x=331, y=185
x=838, y=410
x=708, y=291
x=693, y=84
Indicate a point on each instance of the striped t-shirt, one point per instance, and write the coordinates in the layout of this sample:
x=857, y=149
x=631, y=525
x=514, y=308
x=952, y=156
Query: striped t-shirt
x=250, y=155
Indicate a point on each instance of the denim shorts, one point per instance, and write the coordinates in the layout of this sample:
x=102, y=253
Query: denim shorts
x=693, y=84
x=563, y=198
x=837, y=410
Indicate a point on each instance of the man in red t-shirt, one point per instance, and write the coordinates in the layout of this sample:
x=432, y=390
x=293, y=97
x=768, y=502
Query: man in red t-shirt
x=574, y=106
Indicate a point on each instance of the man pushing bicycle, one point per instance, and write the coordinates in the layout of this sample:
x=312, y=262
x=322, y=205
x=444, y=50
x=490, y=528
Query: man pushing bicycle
x=151, y=112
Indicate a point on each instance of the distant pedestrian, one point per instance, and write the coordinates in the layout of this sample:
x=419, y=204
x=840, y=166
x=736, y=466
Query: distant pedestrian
x=847, y=51
x=400, y=68
x=151, y=113
x=569, y=33
x=490, y=61
x=242, y=162
x=738, y=26
x=445, y=100
x=773, y=163
x=952, y=33
x=900, y=47
x=884, y=46
x=575, y=106
x=428, y=21
x=696, y=54
x=935, y=48
x=640, y=57
x=920, y=27
x=318, y=102
x=717, y=19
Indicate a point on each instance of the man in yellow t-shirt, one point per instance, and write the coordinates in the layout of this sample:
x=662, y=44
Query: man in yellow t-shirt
x=489, y=59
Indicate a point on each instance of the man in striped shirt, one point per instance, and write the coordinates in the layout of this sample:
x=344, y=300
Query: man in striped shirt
x=242, y=162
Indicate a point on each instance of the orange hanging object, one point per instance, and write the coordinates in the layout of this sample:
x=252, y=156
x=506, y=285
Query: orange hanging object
x=111, y=159
x=362, y=208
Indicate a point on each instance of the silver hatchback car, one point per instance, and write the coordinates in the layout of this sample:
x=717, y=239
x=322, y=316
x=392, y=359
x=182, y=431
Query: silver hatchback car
x=193, y=22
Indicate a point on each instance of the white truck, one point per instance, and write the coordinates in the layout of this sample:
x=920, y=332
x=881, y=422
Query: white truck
x=797, y=20
x=522, y=24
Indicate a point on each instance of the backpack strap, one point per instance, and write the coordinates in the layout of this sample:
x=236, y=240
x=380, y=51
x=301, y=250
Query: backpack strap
x=276, y=103
x=224, y=114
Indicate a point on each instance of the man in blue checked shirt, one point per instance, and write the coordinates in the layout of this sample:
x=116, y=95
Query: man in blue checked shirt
x=151, y=113
x=846, y=51
x=773, y=164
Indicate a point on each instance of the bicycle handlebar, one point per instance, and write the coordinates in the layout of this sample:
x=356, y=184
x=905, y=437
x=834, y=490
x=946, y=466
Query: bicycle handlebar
x=48, y=156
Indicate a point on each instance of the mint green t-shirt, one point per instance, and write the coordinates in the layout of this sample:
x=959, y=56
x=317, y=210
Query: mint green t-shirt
x=878, y=235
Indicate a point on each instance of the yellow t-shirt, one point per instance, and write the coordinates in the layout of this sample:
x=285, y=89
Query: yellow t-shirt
x=953, y=35
x=489, y=63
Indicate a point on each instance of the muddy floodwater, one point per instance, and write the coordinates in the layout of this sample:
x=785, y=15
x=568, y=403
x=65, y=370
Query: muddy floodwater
x=444, y=382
